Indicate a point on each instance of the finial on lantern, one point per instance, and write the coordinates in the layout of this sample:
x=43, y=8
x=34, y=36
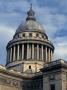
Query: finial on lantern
x=31, y=6
x=31, y=14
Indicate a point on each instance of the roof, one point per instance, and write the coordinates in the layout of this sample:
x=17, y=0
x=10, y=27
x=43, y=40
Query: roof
x=31, y=24
x=54, y=65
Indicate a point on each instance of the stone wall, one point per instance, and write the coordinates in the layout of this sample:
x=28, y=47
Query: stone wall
x=33, y=84
x=9, y=80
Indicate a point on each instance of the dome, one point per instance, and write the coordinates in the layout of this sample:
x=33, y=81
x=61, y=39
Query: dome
x=30, y=25
x=30, y=47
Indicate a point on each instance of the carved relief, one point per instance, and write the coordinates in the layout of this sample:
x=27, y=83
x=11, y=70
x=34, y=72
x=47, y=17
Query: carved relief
x=10, y=82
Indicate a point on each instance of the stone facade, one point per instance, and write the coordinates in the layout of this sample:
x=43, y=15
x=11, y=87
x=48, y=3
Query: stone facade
x=29, y=63
x=9, y=79
x=55, y=75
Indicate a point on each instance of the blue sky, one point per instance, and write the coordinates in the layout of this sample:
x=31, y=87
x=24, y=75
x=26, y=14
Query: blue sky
x=52, y=14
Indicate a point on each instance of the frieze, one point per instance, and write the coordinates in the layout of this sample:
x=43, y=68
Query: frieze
x=10, y=82
x=51, y=77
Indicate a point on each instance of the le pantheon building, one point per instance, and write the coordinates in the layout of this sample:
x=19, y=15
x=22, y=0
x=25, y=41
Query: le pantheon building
x=29, y=63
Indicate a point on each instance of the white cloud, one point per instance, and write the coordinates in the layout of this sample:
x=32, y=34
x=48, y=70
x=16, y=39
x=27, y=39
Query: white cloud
x=60, y=52
x=6, y=34
x=60, y=44
x=52, y=20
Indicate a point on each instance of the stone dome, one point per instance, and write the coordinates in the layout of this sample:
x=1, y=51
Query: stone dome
x=30, y=25
x=30, y=47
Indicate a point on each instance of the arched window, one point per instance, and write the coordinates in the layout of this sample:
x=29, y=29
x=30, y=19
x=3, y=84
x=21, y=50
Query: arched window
x=29, y=67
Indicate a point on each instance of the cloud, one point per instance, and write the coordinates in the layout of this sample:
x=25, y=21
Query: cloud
x=60, y=44
x=61, y=51
x=52, y=14
x=6, y=34
x=53, y=23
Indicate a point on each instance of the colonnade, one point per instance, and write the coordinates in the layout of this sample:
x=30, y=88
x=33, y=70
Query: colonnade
x=29, y=51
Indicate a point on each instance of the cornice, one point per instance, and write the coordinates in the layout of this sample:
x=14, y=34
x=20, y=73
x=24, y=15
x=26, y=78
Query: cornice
x=55, y=65
x=35, y=41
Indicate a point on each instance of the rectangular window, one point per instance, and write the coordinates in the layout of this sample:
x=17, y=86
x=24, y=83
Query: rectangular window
x=23, y=34
x=30, y=35
x=52, y=87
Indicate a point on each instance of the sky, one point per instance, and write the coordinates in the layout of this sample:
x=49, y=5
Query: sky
x=52, y=14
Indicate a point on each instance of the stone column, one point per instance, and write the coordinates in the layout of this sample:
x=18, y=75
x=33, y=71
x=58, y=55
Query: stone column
x=42, y=51
x=8, y=56
x=18, y=52
x=22, y=51
x=27, y=51
x=32, y=51
x=49, y=55
x=46, y=53
x=37, y=52
x=11, y=54
x=14, y=53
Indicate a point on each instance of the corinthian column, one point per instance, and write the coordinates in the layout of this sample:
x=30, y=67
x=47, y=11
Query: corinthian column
x=49, y=54
x=18, y=53
x=27, y=51
x=11, y=54
x=22, y=51
x=32, y=51
x=8, y=56
x=37, y=52
x=46, y=53
x=42, y=51
x=14, y=54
